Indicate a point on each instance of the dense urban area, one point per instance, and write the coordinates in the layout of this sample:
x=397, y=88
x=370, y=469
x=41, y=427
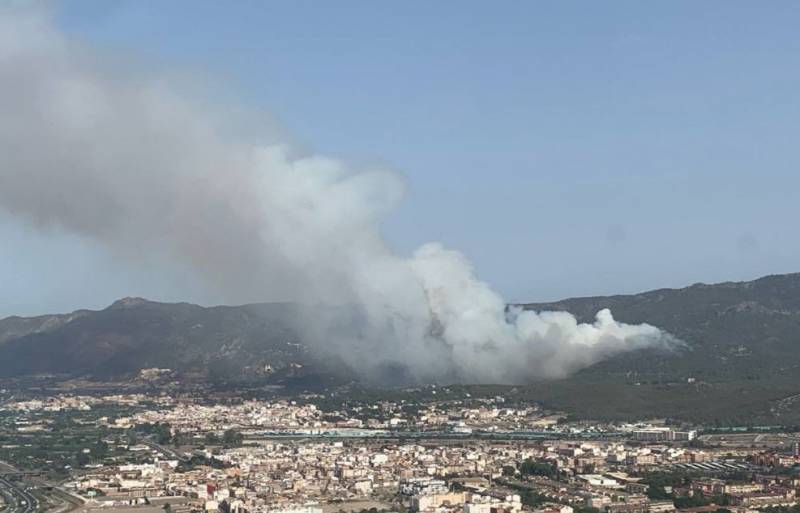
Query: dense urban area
x=181, y=451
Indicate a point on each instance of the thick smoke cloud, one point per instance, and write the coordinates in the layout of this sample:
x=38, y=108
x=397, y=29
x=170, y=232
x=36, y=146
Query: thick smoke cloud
x=136, y=164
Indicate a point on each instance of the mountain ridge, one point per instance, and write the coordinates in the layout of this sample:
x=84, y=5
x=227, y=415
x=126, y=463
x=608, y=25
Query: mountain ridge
x=742, y=354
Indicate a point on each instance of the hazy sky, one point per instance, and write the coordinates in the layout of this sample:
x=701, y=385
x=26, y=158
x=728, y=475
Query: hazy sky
x=567, y=148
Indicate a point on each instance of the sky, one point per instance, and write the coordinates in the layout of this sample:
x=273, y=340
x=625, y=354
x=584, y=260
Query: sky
x=566, y=148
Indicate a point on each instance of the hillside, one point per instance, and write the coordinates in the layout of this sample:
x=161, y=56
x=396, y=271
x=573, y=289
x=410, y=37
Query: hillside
x=747, y=329
x=741, y=362
x=244, y=342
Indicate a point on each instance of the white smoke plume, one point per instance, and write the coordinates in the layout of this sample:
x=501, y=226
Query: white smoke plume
x=135, y=163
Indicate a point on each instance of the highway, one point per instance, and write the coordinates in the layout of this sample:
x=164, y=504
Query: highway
x=169, y=453
x=18, y=499
x=9, y=501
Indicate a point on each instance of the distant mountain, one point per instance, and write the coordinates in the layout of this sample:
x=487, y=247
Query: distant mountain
x=741, y=363
x=252, y=341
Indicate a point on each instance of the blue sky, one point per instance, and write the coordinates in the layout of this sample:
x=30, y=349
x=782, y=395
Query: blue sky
x=567, y=148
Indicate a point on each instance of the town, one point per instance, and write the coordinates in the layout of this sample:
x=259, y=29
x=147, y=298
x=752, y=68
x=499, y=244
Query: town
x=185, y=453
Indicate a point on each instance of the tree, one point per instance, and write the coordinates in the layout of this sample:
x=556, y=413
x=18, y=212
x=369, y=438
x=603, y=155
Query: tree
x=530, y=467
x=232, y=438
x=694, y=501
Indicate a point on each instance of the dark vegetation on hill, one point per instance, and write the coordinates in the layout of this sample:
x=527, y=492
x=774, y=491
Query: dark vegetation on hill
x=218, y=343
x=741, y=364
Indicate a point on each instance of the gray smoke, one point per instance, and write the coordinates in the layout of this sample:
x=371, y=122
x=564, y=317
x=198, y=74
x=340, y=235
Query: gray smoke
x=134, y=162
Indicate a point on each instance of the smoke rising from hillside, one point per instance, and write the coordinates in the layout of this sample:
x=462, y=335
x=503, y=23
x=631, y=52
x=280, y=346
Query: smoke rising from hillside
x=133, y=162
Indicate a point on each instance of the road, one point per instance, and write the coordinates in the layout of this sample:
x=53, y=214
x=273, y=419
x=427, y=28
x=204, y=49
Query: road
x=18, y=499
x=170, y=453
